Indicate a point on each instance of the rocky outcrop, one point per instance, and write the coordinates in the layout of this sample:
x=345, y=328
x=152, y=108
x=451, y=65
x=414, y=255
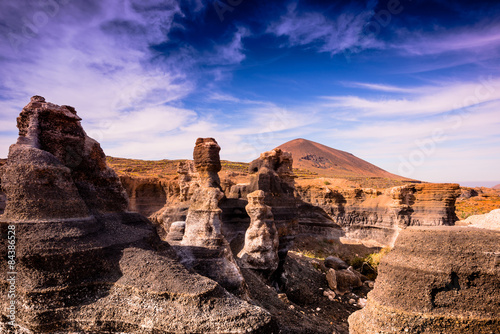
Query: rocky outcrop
x=261, y=238
x=273, y=174
x=203, y=247
x=84, y=264
x=377, y=216
x=436, y=280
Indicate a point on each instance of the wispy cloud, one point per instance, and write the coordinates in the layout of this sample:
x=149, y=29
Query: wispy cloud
x=333, y=36
x=427, y=100
x=382, y=87
x=477, y=39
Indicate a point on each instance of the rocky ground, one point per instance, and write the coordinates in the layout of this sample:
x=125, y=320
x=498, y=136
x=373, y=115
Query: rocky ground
x=300, y=304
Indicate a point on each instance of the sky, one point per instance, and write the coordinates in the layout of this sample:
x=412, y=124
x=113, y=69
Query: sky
x=410, y=86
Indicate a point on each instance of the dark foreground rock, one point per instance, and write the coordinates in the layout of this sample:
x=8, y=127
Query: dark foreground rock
x=436, y=280
x=84, y=264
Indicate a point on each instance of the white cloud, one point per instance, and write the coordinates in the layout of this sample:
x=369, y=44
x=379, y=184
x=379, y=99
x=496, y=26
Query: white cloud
x=475, y=40
x=345, y=32
x=429, y=100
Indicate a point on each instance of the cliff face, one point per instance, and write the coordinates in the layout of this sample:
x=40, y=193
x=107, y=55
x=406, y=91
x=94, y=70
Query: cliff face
x=436, y=280
x=148, y=195
x=85, y=264
x=376, y=215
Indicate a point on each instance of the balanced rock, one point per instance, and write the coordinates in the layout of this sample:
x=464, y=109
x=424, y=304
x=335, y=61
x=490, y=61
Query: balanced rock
x=203, y=247
x=207, y=161
x=84, y=264
x=436, y=280
x=261, y=238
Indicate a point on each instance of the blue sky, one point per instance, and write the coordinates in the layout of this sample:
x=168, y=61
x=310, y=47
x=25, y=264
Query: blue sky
x=410, y=86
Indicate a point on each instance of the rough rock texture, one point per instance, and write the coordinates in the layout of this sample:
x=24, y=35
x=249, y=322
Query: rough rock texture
x=176, y=231
x=83, y=263
x=272, y=173
x=378, y=215
x=436, y=280
x=207, y=161
x=3, y=198
x=489, y=220
x=188, y=180
x=203, y=247
x=146, y=195
x=261, y=238
x=335, y=263
x=179, y=193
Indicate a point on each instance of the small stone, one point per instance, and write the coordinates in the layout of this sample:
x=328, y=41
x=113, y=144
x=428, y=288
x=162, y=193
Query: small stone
x=362, y=302
x=352, y=301
x=335, y=263
x=318, y=309
x=330, y=294
x=331, y=278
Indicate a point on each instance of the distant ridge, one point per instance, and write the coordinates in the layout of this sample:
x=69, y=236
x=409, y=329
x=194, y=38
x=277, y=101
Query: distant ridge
x=497, y=187
x=328, y=161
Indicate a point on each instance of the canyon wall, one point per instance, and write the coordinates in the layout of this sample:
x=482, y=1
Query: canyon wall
x=84, y=263
x=376, y=215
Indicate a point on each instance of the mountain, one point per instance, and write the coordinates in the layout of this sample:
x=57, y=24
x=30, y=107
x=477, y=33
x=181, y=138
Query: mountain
x=497, y=187
x=328, y=161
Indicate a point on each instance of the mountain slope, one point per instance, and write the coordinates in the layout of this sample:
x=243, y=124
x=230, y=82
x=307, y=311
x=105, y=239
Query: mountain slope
x=328, y=161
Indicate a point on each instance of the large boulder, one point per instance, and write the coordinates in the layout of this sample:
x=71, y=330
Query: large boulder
x=436, y=280
x=84, y=264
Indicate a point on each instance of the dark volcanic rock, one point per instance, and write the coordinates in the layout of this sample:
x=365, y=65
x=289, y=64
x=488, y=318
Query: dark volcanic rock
x=436, y=280
x=335, y=263
x=84, y=264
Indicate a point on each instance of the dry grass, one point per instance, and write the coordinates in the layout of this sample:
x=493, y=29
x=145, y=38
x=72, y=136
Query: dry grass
x=487, y=200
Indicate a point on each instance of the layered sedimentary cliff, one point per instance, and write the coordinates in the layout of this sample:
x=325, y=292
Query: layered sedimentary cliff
x=85, y=264
x=436, y=280
x=147, y=195
x=377, y=215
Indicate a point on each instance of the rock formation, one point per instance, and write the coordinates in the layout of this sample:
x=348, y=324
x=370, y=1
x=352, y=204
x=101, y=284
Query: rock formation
x=261, y=238
x=377, y=215
x=84, y=264
x=272, y=173
x=203, y=223
x=436, y=280
x=209, y=252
